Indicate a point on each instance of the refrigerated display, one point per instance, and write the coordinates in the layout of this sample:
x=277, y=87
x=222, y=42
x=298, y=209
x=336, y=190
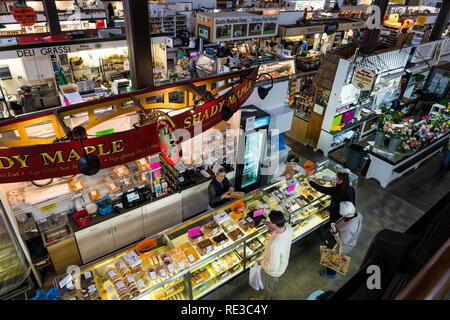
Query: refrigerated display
x=176, y=267
x=251, y=147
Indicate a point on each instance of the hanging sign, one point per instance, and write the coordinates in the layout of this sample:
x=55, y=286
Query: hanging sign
x=363, y=78
x=167, y=141
x=24, y=14
x=331, y=28
x=421, y=20
x=61, y=159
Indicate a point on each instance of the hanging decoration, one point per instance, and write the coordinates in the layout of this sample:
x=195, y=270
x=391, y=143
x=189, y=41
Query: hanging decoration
x=24, y=14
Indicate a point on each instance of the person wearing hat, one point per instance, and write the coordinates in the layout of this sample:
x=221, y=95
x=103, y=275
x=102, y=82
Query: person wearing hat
x=26, y=100
x=346, y=231
x=281, y=173
x=219, y=190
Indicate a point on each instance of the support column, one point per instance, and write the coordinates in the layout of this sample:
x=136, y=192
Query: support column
x=370, y=40
x=52, y=17
x=441, y=21
x=137, y=27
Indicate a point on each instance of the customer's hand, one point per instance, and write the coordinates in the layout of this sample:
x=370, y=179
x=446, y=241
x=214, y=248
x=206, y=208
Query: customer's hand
x=231, y=189
x=259, y=261
x=333, y=227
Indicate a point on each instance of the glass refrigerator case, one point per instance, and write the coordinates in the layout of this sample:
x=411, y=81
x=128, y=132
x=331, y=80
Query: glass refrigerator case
x=192, y=259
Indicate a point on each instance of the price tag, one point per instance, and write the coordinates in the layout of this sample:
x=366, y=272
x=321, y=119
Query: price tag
x=48, y=208
x=110, y=288
x=157, y=174
x=199, y=281
x=239, y=236
x=208, y=249
x=141, y=283
x=215, y=231
x=222, y=242
x=249, y=220
x=258, y=212
x=154, y=165
x=120, y=170
x=170, y=291
x=65, y=281
x=291, y=188
x=87, y=275
x=199, y=239
x=243, y=221
x=170, y=268
x=194, y=232
x=120, y=285
x=92, y=289
x=112, y=185
x=191, y=258
x=181, y=265
x=153, y=275
x=130, y=279
x=122, y=265
x=143, y=176
x=266, y=206
x=142, y=162
x=78, y=185
x=162, y=273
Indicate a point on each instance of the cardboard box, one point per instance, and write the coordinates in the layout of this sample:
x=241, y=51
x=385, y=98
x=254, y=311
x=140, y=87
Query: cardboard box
x=33, y=39
x=59, y=37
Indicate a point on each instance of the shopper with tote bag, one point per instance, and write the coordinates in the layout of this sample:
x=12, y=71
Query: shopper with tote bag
x=346, y=232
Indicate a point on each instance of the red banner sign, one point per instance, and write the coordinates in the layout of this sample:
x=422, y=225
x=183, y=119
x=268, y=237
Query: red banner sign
x=61, y=159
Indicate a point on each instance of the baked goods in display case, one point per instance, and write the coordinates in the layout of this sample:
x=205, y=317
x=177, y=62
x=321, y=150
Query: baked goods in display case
x=236, y=234
x=178, y=296
x=77, y=185
x=15, y=196
x=121, y=171
x=254, y=244
x=192, y=255
x=194, y=239
x=200, y=276
x=220, y=240
x=169, y=292
x=211, y=229
x=179, y=259
x=94, y=195
x=205, y=247
x=127, y=183
x=142, y=164
x=112, y=185
x=142, y=178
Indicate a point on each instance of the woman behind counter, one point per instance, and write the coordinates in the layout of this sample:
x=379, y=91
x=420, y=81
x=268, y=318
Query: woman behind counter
x=219, y=190
x=341, y=192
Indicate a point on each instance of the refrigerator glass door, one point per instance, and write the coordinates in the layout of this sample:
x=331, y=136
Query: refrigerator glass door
x=252, y=158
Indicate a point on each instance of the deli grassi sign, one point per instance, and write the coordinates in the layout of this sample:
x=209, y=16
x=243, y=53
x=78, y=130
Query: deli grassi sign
x=61, y=159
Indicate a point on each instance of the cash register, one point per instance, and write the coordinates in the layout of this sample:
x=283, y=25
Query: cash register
x=133, y=197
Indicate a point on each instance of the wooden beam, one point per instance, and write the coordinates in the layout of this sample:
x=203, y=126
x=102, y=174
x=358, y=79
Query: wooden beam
x=52, y=17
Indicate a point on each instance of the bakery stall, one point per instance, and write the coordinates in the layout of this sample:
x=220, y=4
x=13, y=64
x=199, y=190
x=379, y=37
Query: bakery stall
x=195, y=257
x=74, y=219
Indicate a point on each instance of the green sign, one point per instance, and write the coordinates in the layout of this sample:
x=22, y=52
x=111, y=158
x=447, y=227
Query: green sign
x=104, y=132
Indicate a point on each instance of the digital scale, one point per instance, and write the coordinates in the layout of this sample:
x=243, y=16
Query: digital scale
x=132, y=198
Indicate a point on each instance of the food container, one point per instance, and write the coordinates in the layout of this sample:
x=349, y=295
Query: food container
x=197, y=238
x=91, y=208
x=205, y=246
x=254, y=244
x=145, y=248
x=179, y=259
x=220, y=240
x=218, y=265
x=121, y=171
x=112, y=185
x=104, y=205
x=81, y=218
x=236, y=234
x=243, y=223
x=230, y=259
x=142, y=164
x=211, y=229
x=95, y=195
x=229, y=225
x=142, y=178
x=77, y=185
x=192, y=255
x=127, y=183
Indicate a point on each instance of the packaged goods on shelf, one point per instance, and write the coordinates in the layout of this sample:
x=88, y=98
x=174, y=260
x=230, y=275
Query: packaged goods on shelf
x=142, y=164
x=121, y=171
x=211, y=229
x=77, y=185
x=95, y=195
x=236, y=234
x=127, y=183
x=112, y=185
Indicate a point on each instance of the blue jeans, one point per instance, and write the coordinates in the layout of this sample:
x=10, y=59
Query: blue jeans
x=331, y=272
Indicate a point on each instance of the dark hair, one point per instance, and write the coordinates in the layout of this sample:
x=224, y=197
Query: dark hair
x=326, y=295
x=221, y=170
x=277, y=217
x=25, y=88
x=345, y=186
x=292, y=158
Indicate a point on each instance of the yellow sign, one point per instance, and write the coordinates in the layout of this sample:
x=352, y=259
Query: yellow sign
x=393, y=17
x=420, y=21
x=49, y=207
x=397, y=1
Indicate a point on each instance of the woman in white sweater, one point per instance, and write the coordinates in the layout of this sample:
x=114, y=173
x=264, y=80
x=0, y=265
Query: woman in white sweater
x=276, y=253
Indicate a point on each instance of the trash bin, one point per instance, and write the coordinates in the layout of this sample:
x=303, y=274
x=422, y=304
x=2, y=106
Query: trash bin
x=355, y=153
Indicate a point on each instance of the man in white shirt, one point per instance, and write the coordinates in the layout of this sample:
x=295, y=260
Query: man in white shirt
x=276, y=254
x=292, y=161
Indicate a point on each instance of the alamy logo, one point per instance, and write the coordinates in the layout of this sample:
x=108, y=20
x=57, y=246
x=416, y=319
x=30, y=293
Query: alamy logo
x=374, y=20
x=374, y=280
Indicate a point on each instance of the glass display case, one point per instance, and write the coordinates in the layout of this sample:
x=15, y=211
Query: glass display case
x=206, y=65
x=195, y=257
x=277, y=69
x=13, y=267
